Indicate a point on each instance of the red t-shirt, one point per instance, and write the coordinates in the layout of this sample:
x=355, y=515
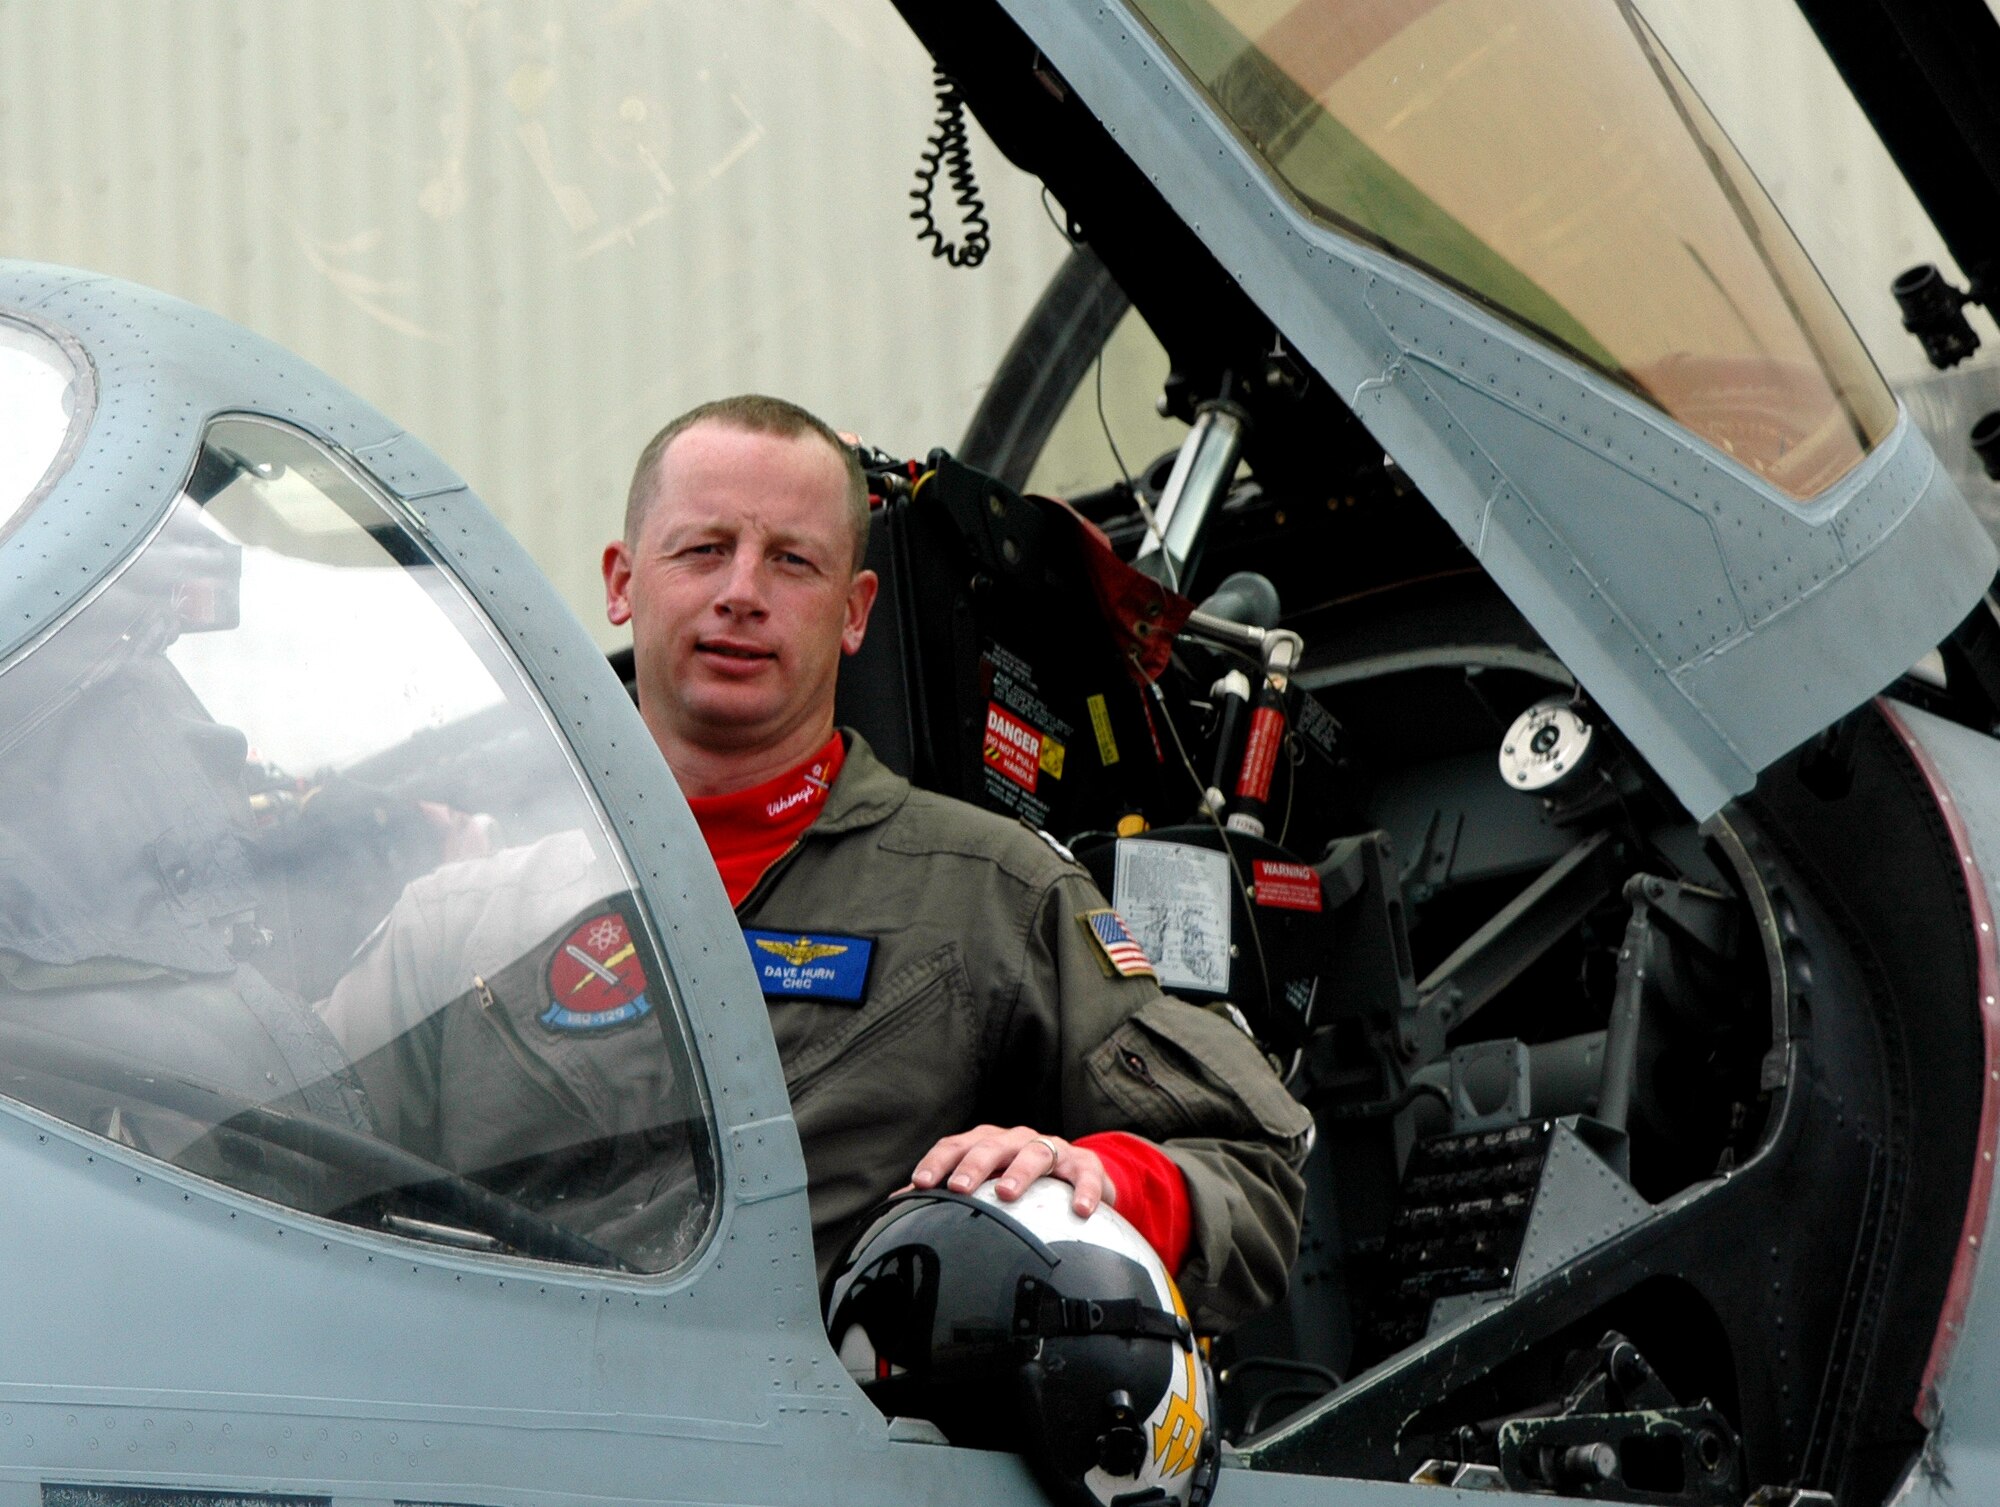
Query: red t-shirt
x=1152, y=1195
x=749, y=830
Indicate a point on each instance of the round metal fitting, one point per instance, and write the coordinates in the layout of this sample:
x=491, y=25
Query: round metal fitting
x=1547, y=742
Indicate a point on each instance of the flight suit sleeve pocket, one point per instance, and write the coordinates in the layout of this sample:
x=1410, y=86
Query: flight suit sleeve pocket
x=1175, y=1070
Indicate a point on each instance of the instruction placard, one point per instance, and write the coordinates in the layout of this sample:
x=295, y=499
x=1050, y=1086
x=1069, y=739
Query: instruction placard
x=1175, y=898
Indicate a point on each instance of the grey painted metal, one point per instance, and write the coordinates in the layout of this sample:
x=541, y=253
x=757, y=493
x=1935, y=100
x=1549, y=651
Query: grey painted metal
x=1580, y=1202
x=1961, y=1463
x=1676, y=585
x=1257, y=1488
x=1457, y=821
x=1517, y=934
x=1446, y=1312
x=1489, y=656
x=1472, y=1072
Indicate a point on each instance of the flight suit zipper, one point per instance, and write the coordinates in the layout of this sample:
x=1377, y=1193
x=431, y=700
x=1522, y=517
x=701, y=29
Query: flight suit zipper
x=538, y=1072
x=769, y=877
x=864, y=1033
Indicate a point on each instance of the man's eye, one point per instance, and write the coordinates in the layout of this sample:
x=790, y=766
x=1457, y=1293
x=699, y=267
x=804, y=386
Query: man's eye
x=786, y=557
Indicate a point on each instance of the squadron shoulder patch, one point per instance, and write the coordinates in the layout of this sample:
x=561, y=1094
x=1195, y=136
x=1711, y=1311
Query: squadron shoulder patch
x=1118, y=950
x=595, y=978
x=819, y=966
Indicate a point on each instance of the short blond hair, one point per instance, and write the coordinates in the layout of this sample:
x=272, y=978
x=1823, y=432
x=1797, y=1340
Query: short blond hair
x=757, y=414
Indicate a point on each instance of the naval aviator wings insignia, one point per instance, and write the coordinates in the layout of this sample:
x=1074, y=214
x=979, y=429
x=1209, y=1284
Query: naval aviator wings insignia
x=815, y=965
x=803, y=951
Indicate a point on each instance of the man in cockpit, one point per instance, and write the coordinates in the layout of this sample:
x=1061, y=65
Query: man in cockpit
x=952, y=997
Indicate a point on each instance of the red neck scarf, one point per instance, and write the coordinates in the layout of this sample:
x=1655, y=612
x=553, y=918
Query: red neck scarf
x=749, y=830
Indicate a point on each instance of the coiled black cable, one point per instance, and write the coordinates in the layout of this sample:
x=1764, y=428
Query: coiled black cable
x=950, y=152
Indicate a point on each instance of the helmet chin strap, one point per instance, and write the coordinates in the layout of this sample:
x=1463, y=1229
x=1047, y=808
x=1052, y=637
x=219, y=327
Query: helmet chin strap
x=1041, y=1312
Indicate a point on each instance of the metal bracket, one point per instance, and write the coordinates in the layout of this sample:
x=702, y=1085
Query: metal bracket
x=1581, y=1200
x=1776, y=1070
x=767, y=1159
x=1689, y=1457
x=1528, y=926
x=1459, y=1476
x=1489, y=1085
x=1682, y=913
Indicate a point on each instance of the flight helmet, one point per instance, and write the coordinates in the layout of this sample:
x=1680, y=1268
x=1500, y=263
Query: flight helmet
x=1025, y=1327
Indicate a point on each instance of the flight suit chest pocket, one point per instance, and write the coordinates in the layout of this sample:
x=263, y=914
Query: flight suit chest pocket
x=1174, y=1070
x=916, y=1026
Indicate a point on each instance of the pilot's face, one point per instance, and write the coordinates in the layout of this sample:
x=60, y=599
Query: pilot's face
x=742, y=593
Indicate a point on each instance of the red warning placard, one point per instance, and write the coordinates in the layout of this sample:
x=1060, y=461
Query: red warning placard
x=1260, y=753
x=1287, y=886
x=1012, y=747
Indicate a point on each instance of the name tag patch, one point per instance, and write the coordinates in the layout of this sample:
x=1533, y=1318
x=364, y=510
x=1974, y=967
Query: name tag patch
x=817, y=965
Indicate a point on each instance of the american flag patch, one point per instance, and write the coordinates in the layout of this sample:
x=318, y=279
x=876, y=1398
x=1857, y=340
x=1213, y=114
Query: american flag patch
x=1115, y=941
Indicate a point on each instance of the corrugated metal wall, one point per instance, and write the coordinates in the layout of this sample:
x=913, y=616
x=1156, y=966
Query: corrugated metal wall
x=529, y=231
x=532, y=230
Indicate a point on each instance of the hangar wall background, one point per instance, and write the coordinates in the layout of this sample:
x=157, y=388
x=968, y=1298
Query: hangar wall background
x=532, y=230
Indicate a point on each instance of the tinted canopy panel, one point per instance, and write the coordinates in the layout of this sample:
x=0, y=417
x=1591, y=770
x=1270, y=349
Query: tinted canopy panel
x=1551, y=161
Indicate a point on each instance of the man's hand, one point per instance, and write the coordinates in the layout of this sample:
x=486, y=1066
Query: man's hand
x=962, y=1162
x=463, y=834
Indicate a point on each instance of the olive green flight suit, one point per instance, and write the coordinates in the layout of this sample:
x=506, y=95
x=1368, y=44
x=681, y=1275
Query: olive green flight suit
x=988, y=1000
x=442, y=1014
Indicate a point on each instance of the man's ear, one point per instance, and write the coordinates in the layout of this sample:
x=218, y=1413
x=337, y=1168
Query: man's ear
x=860, y=601
x=618, y=583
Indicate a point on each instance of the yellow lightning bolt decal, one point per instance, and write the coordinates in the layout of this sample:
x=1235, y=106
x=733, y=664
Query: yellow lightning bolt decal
x=611, y=963
x=1177, y=1436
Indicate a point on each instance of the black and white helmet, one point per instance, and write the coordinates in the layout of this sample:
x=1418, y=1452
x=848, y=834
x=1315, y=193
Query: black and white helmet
x=1024, y=1327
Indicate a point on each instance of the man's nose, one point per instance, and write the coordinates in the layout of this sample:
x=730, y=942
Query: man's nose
x=742, y=592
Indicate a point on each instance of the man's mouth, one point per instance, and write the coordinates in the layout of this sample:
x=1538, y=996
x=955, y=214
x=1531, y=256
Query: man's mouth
x=723, y=649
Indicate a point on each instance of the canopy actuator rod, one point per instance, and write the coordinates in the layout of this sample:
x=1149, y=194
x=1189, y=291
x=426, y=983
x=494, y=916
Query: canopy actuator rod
x=1195, y=488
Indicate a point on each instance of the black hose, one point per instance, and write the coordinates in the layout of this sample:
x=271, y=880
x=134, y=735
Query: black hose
x=1295, y=1394
x=1280, y=1363
x=1286, y=1366
x=1386, y=1108
x=950, y=152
